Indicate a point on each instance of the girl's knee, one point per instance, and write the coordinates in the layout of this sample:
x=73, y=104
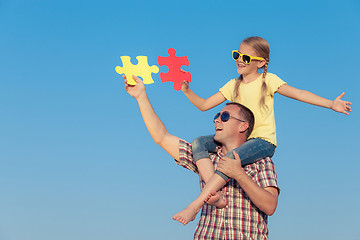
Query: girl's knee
x=230, y=155
x=197, y=144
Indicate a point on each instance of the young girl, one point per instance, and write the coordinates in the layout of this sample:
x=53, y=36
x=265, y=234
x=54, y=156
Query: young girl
x=256, y=91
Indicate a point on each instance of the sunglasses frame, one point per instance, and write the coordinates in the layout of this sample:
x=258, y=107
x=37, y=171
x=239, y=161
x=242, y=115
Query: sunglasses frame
x=221, y=114
x=242, y=57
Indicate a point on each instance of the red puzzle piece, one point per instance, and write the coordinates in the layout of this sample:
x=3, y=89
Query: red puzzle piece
x=174, y=64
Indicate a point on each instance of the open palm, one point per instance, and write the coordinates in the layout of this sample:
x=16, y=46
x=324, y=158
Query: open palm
x=341, y=106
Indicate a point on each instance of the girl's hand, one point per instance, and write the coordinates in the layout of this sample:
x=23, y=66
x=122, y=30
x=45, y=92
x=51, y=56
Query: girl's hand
x=135, y=90
x=341, y=106
x=185, y=86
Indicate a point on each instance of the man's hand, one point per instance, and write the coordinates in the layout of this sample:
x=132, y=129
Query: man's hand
x=135, y=90
x=230, y=167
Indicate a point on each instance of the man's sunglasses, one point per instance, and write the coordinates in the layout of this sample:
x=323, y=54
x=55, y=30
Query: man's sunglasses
x=245, y=58
x=225, y=116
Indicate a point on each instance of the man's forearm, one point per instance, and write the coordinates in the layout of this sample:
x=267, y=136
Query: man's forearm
x=264, y=198
x=156, y=128
x=153, y=123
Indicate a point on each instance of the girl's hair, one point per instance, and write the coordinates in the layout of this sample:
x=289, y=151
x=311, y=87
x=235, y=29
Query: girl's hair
x=262, y=48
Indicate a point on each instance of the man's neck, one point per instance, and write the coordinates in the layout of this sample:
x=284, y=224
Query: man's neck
x=225, y=148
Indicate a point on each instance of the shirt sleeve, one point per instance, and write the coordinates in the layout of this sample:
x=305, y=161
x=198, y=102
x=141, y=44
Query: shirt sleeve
x=267, y=174
x=274, y=82
x=185, y=156
x=228, y=90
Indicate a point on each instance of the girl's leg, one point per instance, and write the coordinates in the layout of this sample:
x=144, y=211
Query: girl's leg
x=250, y=152
x=189, y=213
x=201, y=147
x=253, y=150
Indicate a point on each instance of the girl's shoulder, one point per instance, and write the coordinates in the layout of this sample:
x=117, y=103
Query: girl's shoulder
x=273, y=82
x=231, y=82
x=271, y=75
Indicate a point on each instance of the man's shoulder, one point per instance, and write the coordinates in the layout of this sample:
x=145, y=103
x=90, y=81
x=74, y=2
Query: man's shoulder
x=263, y=173
x=266, y=160
x=185, y=150
x=186, y=159
x=264, y=163
x=184, y=144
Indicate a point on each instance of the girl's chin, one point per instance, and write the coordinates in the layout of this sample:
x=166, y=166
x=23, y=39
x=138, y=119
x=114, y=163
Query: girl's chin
x=240, y=71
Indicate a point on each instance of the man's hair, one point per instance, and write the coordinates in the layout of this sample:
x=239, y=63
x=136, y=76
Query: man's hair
x=247, y=116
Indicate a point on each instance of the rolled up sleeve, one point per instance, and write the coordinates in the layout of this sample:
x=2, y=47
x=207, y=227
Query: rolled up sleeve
x=185, y=156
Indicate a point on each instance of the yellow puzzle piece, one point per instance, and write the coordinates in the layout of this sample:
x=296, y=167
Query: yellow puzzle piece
x=142, y=69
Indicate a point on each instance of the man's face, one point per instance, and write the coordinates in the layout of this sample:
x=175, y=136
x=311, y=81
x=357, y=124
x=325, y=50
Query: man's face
x=226, y=131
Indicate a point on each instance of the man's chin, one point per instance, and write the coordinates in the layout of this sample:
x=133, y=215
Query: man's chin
x=217, y=138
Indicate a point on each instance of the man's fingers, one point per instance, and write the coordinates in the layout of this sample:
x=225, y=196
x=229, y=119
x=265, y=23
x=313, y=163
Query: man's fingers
x=136, y=79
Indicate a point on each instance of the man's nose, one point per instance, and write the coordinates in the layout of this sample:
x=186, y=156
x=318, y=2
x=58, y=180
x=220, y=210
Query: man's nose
x=218, y=119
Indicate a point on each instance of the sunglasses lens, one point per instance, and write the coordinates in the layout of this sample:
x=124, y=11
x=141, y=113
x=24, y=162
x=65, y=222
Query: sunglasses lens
x=225, y=116
x=216, y=116
x=246, y=59
x=236, y=55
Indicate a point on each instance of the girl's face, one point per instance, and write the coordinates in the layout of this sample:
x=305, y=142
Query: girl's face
x=246, y=69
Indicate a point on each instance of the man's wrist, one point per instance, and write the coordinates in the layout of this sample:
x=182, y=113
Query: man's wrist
x=142, y=97
x=240, y=173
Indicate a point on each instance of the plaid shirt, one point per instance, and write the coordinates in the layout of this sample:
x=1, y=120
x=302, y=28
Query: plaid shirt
x=241, y=219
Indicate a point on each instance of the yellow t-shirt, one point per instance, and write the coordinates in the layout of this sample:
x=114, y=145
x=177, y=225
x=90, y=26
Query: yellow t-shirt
x=249, y=96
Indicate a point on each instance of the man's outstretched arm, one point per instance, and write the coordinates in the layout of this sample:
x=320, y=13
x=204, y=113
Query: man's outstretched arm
x=153, y=123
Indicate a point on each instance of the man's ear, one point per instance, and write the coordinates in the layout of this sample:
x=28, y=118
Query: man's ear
x=243, y=127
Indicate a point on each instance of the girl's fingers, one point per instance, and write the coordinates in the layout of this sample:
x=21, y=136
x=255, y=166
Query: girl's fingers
x=341, y=95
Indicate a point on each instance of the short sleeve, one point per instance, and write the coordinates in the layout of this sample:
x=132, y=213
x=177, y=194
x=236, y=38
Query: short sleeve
x=273, y=82
x=267, y=176
x=185, y=156
x=228, y=90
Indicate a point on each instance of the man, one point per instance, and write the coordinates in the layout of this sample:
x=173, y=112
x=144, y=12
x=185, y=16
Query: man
x=252, y=192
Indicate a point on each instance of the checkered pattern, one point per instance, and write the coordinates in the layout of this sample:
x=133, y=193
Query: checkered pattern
x=241, y=219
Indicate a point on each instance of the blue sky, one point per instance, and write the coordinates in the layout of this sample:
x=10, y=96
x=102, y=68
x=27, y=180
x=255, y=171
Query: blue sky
x=76, y=159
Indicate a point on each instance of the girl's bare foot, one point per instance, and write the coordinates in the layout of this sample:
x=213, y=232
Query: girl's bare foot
x=187, y=215
x=216, y=199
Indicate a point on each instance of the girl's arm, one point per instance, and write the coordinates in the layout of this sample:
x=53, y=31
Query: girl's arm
x=201, y=103
x=337, y=105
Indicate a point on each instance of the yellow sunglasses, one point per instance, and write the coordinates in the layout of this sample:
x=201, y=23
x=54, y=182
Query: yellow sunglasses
x=245, y=58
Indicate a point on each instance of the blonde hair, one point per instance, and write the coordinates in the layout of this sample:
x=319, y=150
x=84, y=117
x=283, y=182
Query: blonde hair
x=262, y=48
